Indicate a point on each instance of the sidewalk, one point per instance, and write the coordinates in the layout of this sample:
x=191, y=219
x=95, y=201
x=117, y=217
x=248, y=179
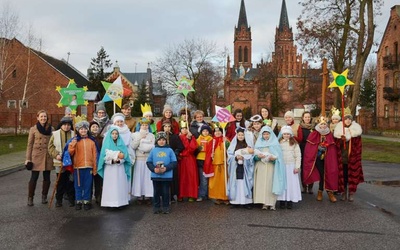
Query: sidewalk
x=13, y=162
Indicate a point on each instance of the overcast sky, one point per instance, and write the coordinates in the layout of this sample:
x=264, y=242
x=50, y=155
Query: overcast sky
x=134, y=32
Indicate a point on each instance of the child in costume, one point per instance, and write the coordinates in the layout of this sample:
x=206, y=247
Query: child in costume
x=320, y=160
x=115, y=168
x=202, y=143
x=142, y=142
x=292, y=158
x=161, y=162
x=59, y=138
x=349, y=145
x=269, y=173
x=148, y=114
x=335, y=119
x=187, y=165
x=217, y=175
x=83, y=151
x=240, y=169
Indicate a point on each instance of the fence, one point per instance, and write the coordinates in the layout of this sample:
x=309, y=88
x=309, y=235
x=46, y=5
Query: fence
x=9, y=122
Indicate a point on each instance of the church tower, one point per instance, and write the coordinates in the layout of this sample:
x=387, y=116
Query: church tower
x=242, y=41
x=285, y=55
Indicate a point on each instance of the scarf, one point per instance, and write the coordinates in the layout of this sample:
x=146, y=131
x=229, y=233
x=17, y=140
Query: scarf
x=44, y=130
x=322, y=131
x=308, y=126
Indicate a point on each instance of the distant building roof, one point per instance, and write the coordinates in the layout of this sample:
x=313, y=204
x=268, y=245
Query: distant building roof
x=66, y=69
x=90, y=95
x=140, y=78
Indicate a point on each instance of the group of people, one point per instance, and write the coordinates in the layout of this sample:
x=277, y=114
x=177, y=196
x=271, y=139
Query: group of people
x=147, y=162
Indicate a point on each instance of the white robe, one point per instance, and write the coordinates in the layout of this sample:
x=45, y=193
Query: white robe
x=115, y=186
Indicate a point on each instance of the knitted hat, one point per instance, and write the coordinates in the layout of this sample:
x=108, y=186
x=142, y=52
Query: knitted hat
x=93, y=123
x=166, y=108
x=337, y=117
x=166, y=122
x=100, y=106
x=66, y=120
x=205, y=126
x=81, y=122
x=118, y=117
x=68, y=111
x=161, y=135
x=287, y=130
x=289, y=114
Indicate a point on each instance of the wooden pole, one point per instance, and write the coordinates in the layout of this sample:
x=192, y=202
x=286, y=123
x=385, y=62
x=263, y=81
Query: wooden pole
x=324, y=84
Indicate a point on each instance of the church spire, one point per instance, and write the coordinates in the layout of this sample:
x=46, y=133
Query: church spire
x=284, y=19
x=242, y=17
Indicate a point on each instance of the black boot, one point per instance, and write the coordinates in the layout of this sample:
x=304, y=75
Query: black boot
x=289, y=205
x=58, y=203
x=87, y=205
x=31, y=192
x=45, y=191
x=282, y=204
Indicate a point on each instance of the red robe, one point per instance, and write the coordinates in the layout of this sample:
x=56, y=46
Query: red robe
x=188, y=174
x=310, y=171
x=354, y=167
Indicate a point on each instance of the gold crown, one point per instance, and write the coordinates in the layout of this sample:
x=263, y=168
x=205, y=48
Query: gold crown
x=347, y=111
x=335, y=111
x=183, y=124
x=145, y=108
x=80, y=118
x=322, y=119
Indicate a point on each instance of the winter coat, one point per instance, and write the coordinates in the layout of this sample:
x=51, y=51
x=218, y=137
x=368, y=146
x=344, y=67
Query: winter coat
x=37, y=150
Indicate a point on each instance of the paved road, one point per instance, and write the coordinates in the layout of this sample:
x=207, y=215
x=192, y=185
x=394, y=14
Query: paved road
x=371, y=222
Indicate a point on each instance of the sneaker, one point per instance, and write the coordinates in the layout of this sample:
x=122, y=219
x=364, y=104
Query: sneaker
x=272, y=208
x=264, y=207
x=87, y=206
x=199, y=199
x=78, y=206
x=217, y=202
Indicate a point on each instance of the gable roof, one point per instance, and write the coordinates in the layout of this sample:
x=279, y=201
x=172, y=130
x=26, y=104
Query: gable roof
x=65, y=68
x=396, y=8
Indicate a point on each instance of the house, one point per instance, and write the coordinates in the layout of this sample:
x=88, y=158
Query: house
x=284, y=83
x=157, y=95
x=40, y=74
x=388, y=74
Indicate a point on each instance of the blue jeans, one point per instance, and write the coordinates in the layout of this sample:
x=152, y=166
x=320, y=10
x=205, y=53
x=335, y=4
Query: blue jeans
x=83, y=184
x=203, y=181
x=161, y=188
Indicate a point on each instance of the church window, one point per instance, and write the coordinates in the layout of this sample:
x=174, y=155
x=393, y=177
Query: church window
x=386, y=114
x=290, y=85
x=246, y=54
x=240, y=54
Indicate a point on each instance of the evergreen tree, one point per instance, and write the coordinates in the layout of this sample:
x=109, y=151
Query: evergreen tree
x=368, y=94
x=143, y=97
x=98, y=67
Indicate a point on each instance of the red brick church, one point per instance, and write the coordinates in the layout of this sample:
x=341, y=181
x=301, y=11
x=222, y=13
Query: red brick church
x=284, y=83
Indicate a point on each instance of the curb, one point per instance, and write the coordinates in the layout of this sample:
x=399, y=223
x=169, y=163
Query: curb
x=12, y=169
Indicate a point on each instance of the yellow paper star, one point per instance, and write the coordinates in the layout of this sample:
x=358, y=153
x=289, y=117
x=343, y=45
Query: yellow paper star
x=85, y=103
x=85, y=88
x=59, y=104
x=73, y=112
x=340, y=80
x=58, y=88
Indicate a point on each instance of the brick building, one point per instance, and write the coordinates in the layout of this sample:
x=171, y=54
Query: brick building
x=45, y=74
x=283, y=83
x=157, y=95
x=388, y=74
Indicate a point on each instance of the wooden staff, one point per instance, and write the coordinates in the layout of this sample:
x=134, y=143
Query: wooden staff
x=55, y=187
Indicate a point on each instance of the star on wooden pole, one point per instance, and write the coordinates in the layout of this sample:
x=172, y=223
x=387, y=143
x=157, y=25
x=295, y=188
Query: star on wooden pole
x=71, y=96
x=340, y=80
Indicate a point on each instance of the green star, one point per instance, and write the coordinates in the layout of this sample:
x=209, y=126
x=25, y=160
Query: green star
x=184, y=86
x=71, y=96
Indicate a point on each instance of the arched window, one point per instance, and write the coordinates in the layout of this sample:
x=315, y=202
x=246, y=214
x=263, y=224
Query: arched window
x=290, y=85
x=246, y=54
x=240, y=54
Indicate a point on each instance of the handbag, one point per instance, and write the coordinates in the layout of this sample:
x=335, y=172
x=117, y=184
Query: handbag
x=29, y=165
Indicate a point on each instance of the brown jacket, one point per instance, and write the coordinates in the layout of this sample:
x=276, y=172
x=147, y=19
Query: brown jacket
x=84, y=154
x=37, y=151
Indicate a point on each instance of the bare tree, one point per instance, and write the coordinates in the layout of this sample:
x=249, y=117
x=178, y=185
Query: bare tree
x=192, y=58
x=9, y=26
x=341, y=30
